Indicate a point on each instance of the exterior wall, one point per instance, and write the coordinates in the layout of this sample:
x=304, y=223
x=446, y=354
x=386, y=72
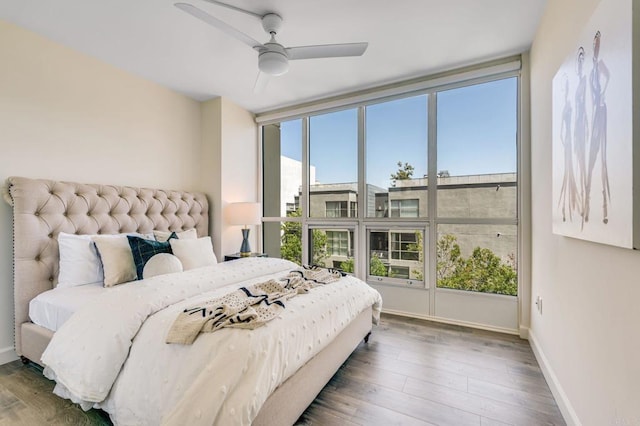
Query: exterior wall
x=321, y=194
x=476, y=196
x=478, y=201
x=409, y=193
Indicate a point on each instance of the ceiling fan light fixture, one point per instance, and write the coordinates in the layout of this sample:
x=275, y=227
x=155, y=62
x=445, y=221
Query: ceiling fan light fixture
x=273, y=63
x=273, y=58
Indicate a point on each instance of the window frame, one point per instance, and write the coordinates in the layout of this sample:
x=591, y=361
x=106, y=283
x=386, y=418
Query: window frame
x=352, y=250
x=331, y=242
x=340, y=210
x=400, y=207
x=430, y=223
x=399, y=228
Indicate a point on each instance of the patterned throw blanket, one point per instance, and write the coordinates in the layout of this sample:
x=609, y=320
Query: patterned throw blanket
x=248, y=307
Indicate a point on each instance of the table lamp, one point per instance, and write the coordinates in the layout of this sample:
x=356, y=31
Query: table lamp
x=244, y=214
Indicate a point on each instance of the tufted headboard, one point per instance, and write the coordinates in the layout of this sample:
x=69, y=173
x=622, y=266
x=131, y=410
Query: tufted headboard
x=43, y=208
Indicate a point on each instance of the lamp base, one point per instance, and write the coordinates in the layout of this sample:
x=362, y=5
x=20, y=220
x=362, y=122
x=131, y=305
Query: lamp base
x=245, y=249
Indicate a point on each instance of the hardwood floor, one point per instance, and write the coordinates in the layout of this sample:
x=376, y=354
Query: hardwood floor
x=412, y=372
x=415, y=372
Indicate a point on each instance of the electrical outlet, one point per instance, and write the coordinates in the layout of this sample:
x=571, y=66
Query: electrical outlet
x=539, y=304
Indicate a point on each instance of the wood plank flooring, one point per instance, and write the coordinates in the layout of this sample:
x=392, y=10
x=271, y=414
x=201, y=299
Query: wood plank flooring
x=412, y=372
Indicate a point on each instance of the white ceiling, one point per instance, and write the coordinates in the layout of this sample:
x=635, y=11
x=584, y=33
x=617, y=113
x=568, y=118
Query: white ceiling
x=407, y=38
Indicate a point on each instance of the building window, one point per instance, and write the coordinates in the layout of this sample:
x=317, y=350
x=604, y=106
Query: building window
x=396, y=254
x=404, y=208
x=336, y=209
x=291, y=207
x=399, y=272
x=337, y=243
x=404, y=246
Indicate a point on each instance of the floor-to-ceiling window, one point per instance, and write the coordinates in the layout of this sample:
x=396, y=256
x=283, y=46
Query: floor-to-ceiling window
x=416, y=194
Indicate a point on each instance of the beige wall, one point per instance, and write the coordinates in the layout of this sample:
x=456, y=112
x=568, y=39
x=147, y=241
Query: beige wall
x=587, y=335
x=229, y=169
x=67, y=116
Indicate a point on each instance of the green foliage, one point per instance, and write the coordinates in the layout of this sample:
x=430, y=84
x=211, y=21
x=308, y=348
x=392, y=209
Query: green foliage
x=291, y=245
x=319, y=246
x=377, y=268
x=405, y=171
x=483, y=271
x=418, y=248
x=348, y=265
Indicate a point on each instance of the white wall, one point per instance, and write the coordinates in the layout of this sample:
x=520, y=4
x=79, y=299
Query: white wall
x=229, y=169
x=67, y=116
x=587, y=335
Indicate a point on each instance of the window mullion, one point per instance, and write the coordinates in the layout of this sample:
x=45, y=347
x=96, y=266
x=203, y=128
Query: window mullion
x=432, y=171
x=360, y=256
x=304, y=202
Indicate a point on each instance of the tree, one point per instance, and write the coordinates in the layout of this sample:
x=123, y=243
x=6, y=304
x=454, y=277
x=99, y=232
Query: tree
x=377, y=268
x=291, y=246
x=448, y=257
x=319, y=246
x=418, y=248
x=291, y=242
x=483, y=271
x=405, y=171
x=348, y=265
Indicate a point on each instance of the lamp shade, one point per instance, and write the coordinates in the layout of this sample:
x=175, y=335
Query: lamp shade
x=243, y=214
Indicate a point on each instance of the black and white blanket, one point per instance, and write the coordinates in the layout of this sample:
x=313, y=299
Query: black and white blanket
x=248, y=307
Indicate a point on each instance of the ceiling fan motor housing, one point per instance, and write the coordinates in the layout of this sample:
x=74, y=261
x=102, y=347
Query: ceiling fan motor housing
x=271, y=23
x=273, y=60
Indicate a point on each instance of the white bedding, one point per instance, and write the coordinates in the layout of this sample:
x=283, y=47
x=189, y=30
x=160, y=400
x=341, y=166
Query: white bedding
x=54, y=307
x=224, y=377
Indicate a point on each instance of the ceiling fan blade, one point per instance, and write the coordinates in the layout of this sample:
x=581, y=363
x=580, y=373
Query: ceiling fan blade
x=261, y=82
x=222, y=26
x=232, y=7
x=327, y=50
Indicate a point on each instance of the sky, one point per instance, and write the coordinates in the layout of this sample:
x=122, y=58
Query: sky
x=476, y=134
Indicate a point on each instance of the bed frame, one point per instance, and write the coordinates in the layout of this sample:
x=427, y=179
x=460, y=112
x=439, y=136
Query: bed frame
x=44, y=208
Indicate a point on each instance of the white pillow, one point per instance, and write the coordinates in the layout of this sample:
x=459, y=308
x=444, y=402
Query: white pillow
x=79, y=261
x=160, y=264
x=163, y=236
x=194, y=253
x=116, y=257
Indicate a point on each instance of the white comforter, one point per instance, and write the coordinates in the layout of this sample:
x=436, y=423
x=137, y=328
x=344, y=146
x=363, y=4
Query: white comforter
x=224, y=377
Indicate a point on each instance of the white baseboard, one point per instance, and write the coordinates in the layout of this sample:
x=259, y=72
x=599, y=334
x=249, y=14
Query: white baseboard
x=7, y=355
x=560, y=396
x=450, y=321
x=524, y=333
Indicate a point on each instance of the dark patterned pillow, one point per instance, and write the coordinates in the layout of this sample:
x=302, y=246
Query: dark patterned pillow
x=143, y=250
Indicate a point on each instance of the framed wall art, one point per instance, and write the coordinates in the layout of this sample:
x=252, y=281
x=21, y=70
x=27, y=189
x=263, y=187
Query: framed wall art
x=593, y=132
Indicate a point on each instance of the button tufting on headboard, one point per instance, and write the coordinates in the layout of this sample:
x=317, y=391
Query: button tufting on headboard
x=43, y=208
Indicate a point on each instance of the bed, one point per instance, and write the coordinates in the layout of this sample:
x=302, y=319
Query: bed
x=43, y=208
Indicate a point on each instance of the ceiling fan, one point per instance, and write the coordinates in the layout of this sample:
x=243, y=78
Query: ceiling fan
x=273, y=58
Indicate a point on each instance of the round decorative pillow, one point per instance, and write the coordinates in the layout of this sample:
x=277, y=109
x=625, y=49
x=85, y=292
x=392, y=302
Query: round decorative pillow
x=160, y=264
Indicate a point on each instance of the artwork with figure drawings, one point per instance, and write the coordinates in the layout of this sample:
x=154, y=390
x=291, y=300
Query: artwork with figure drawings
x=593, y=132
x=573, y=198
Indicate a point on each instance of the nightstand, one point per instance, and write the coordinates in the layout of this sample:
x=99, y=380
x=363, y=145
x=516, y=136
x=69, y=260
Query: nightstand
x=235, y=256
